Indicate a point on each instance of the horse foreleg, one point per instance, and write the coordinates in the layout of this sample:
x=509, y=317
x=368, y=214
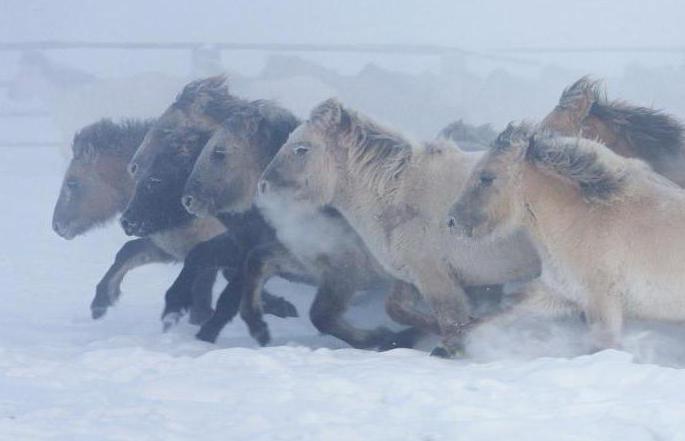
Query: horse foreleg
x=449, y=304
x=134, y=253
x=205, y=258
x=604, y=315
x=535, y=300
x=263, y=263
x=201, y=307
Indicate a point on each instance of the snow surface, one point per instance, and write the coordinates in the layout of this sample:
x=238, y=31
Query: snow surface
x=65, y=377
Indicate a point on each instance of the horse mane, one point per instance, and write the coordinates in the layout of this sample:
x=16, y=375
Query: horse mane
x=599, y=172
x=270, y=122
x=106, y=136
x=210, y=96
x=651, y=132
x=375, y=151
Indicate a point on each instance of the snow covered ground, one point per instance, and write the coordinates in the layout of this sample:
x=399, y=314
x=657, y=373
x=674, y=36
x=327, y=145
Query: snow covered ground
x=65, y=377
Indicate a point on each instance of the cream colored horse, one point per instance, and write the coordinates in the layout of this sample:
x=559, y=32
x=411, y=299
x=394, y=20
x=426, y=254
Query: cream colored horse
x=396, y=194
x=610, y=232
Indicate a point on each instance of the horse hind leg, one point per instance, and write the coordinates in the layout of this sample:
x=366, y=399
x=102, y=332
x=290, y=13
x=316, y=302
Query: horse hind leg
x=230, y=299
x=328, y=308
x=402, y=306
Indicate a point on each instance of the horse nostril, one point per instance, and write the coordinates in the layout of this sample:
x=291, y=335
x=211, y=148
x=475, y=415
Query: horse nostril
x=187, y=201
x=451, y=222
x=263, y=186
x=58, y=228
x=128, y=226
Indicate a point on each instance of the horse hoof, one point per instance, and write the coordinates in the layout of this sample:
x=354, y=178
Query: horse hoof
x=98, y=312
x=443, y=352
x=404, y=339
x=200, y=317
x=281, y=308
x=207, y=334
x=261, y=334
x=170, y=320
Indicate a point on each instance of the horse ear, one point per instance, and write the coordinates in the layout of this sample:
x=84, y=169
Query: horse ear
x=513, y=141
x=88, y=153
x=330, y=115
x=580, y=96
x=252, y=124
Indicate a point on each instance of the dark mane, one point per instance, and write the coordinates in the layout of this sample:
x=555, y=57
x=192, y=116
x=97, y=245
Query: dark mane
x=270, y=122
x=652, y=133
x=209, y=95
x=599, y=173
x=118, y=138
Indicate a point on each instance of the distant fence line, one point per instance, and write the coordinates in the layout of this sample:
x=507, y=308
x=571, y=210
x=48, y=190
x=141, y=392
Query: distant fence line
x=409, y=49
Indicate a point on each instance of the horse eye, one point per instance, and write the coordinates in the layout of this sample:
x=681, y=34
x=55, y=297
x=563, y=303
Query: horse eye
x=153, y=182
x=300, y=150
x=219, y=155
x=486, y=180
x=132, y=168
x=72, y=184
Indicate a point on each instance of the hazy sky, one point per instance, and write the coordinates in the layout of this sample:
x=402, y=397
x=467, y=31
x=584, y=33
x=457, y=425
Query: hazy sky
x=479, y=25
x=473, y=24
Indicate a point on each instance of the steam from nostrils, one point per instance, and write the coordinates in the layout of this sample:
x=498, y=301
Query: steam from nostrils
x=303, y=227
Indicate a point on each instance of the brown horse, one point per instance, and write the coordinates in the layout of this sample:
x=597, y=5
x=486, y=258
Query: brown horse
x=629, y=130
x=160, y=169
x=95, y=189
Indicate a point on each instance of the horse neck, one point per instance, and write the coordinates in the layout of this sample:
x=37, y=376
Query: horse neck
x=428, y=186
x=552, y=206
x=114, y=174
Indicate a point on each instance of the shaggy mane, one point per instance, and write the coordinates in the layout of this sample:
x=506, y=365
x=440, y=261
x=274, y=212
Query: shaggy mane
x=272, y=123
x=118, y=138
x=599, y=173
x=653, y=133
x=376, y=151
x=209, y=95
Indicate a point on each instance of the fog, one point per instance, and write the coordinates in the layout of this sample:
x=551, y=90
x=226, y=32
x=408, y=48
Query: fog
x=416, y=66
x=504, y=62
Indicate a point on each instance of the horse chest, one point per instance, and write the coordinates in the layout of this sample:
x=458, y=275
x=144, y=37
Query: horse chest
x=179, y=241
x=566, y=284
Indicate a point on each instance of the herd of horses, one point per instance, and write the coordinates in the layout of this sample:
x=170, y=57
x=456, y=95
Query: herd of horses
x=581, y=213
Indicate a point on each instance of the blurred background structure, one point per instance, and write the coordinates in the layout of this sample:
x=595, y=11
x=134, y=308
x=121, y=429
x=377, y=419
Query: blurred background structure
x=415, y=65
